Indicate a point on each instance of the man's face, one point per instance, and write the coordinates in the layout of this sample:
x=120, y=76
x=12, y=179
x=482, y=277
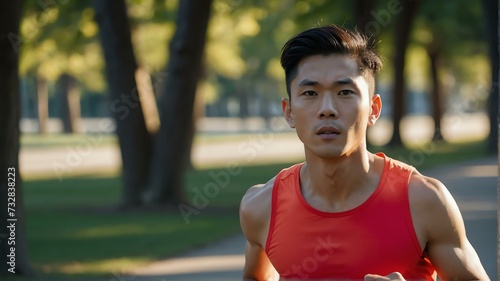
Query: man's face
x=330, y=105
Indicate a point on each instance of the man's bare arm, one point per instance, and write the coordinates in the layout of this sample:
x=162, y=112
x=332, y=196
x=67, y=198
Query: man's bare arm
x=257, y=264
x=255, y=210
x=448, y=247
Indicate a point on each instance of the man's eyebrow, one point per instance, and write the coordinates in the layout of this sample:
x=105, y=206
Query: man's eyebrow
x=343, y=81
x=307, y=82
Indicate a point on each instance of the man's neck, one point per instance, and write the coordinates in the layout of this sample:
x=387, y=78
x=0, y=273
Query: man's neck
x=337, y=184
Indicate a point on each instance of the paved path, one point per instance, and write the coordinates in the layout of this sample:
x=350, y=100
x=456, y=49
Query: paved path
x=276, y=144
x=473, y=184
x=87, y=157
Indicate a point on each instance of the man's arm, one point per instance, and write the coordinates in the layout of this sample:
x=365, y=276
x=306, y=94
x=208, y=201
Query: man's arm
x=257, y=264
x=447, y=245
x=255, y=211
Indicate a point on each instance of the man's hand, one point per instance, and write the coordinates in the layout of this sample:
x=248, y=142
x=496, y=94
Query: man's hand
x=395, y=276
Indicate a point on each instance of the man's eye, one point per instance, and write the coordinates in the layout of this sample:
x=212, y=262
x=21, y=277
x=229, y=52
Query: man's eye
x=309, y=93
x=345, y=92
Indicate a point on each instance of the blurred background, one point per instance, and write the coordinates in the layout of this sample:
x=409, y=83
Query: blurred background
x=143, y=122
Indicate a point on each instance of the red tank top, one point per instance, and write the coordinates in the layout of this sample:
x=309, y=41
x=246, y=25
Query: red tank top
x=376, y=237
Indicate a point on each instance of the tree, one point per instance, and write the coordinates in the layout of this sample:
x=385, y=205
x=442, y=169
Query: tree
x=42, y=101
x=497, y=36
x=363, y=10
x=134, y=139
x=403, y=28
x=60, y=47
x=165, y=183
x=10, y=15
x=491, y=12
x=434, y=52
x=70, y=103
x=444, y=42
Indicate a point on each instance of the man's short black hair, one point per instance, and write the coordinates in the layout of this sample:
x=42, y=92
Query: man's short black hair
x=332, y=39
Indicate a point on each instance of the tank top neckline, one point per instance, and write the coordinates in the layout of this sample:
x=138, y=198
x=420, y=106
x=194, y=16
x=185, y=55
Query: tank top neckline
x=354, y=210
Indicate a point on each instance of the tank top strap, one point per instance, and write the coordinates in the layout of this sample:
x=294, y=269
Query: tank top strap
x=398, y=171
x=288, y=174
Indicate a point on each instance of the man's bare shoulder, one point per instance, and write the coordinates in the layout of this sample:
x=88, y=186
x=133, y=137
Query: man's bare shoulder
x=427, y=191
x=255, y=210
x=257, y=200
x=432, y=205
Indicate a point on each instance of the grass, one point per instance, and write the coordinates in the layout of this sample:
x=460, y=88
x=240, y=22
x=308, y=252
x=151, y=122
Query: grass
x=30, y=141
x=73, y=231
x=429, y=155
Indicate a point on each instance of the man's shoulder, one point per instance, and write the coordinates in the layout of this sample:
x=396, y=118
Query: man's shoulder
x=260, y=195
x=426, y=190
x=432, y=203
x=257, y=199
x=255, y=211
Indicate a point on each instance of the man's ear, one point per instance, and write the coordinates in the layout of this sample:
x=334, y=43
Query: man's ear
x=375, y=109
x=287, y=112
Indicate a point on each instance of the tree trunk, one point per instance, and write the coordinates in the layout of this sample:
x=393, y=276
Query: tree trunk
x=70, y=104
x=497, y=36
x=403, y=30
x=436, y=92
x=176, y=104
x=12, y=227
x=244, y=91
x=198, y=112
x=148, y=100
x=42, y=98
x=265, y=112
x=491, y=12
x=134, y=139
x=362, y=11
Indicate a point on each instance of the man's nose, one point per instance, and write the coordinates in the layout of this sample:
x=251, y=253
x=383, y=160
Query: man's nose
x=328, y=107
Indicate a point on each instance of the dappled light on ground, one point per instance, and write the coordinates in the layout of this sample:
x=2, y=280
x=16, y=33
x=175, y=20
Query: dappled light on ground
x=478, y=171
x=96, y=267
x=186, y=265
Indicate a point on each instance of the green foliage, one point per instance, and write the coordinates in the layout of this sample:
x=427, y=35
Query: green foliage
x=459, y=33
x=243, y=41
x=61, y=37
x=320, y=12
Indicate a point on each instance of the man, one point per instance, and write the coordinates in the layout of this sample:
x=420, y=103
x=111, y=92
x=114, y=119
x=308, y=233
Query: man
x=345, y=213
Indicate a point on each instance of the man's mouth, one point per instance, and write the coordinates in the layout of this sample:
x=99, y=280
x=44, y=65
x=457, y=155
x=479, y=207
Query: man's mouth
x=328, y=133
x=328, y=130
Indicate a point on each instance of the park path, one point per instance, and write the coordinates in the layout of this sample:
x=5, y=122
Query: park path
x=85, y=157
x=272, y=145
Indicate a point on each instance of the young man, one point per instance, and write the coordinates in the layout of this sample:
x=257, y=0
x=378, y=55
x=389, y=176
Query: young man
x=345, y=213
